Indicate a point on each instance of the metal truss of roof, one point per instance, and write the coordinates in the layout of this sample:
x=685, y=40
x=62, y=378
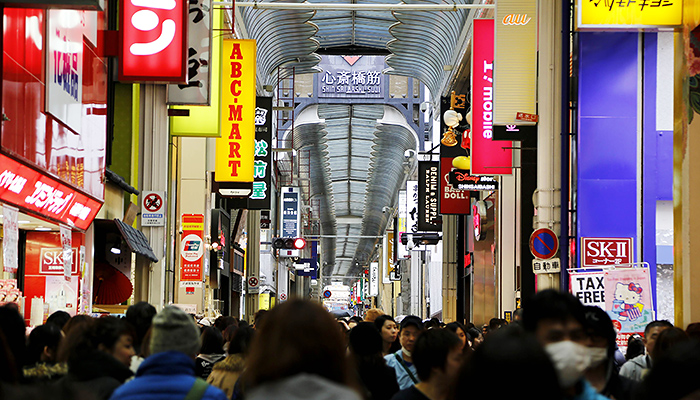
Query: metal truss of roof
x=425, y=42
x=353, y=28
x=357, y=167
x=284, y=39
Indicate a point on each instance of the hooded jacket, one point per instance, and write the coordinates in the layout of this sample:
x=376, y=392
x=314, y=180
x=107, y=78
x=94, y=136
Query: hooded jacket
x=225, y=373
x=303, y=387
x=166, y=375
x=635, y=368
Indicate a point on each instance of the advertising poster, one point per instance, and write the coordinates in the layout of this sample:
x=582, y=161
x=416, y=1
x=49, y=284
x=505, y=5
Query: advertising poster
x=61, y=294
x=67, y=250
x=588, y=287
x=10, y=239
x=192, y=248
x=428, y=195
x=628, y=301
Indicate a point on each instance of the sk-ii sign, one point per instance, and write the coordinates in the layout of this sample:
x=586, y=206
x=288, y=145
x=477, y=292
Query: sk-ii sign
x=153, y=41
x=597, y=252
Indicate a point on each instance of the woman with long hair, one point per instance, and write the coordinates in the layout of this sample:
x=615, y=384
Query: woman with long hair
x=389, y=331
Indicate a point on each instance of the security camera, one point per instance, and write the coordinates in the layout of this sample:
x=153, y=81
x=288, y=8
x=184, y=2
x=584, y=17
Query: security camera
x=424, y=106
x=409, y=153
x=386, y=209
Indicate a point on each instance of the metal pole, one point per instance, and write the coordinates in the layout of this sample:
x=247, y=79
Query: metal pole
x=354, y=6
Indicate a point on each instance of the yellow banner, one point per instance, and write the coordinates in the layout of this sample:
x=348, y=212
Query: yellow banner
x=604, y=14
x=235, y=149
x=203, y=121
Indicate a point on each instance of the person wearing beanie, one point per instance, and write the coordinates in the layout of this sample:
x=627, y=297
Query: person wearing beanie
x=169, y=371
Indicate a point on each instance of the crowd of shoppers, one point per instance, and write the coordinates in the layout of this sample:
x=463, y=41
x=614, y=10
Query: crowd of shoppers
x=554, y=349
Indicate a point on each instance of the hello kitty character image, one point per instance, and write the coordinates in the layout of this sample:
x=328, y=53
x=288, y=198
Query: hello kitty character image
x=626, y=303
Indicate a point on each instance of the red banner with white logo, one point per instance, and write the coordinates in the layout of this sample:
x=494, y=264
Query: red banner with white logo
x=192, y=247
x=596, y=252
x=153, y=45
x=31, y=190
x=452, y=201
x=488, y=157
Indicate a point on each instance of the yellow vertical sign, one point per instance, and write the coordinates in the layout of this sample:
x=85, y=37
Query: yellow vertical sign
x=235, y=149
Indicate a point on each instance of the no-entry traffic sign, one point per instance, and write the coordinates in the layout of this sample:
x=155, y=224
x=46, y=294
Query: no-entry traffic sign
x=544, y=243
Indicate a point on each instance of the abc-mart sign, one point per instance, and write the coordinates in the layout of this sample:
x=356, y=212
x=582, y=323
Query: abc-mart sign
x=153, y=41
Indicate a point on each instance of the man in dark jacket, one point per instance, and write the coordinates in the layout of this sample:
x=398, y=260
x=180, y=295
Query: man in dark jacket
x=169, y=371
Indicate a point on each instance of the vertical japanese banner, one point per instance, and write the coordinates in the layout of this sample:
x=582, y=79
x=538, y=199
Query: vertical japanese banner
x=259, y=199
x=235, y=149
x=192, y=248
x=10, y=239
x=428, y=195
x=488, y=157
x=67, y=250
x=628, y=301
x=85, y=299
x=373, y=279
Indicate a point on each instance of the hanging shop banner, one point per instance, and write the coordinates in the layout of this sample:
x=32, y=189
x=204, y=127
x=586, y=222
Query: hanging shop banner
x=388, y=255
x=629, y=14
x=235, y=149
x=351, y=77
x=588, y=287
x=66, y=251
x=85, y=299
x=291, y=216
x=153, y=41
x=31, y=190
x=373, y=279
x=402, y=221
x=64, y=67
x=412, y=206
x=428, y=195
x=192, y=248
x=452, y=200
x=596, y=252
x=488, y=157
x=199, y=37
x=259, y=198
x=628, y=301
x=10, y=239
x=463, y=180
x=204, y=120
x=515, y=60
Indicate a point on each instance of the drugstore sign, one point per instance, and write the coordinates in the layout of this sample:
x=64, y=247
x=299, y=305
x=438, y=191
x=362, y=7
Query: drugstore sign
x=153, y=41
x=31, y=190
x=609, y=14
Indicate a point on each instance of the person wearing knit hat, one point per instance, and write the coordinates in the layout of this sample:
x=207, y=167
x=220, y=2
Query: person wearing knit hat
x=169, y=371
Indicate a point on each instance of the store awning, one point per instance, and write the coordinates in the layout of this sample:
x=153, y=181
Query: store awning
x=136, y=240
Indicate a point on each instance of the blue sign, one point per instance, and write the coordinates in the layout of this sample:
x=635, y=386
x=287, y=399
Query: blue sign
x=544, y=243
x=327, y=294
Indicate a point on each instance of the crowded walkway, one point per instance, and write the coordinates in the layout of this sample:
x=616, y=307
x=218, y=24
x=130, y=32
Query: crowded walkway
x=554, y=349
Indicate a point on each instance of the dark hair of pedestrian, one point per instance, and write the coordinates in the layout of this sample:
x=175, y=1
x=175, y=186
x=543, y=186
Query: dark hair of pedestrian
x=675, y=375
x=240, y=343
x=58, y=318
x=258, y=318
x=47, y=335
x=551, y=304
x=221, y=323
x=230, y=332
x=668, y=339
x=513, y=353
x=355, y=319
x=87, y=337
x=140, y=316
x=12, y=326
x=693, y=330
x=598, y=323
x=212, y=341
x=75, y=321
x=473, y=334
x=635, y=347
x=431, y=350
x=379, y=322
x=297, y=336
x=365, y=340
x=453, y=326
x=657, y=324
x=8, y=367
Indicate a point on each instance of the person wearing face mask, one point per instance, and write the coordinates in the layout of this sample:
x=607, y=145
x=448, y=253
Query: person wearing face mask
x=402, y=360
x=557, y=320
x=602, y=374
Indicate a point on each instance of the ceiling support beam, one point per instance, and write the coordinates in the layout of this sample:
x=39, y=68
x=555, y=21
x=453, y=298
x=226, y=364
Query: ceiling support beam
x=356, y=6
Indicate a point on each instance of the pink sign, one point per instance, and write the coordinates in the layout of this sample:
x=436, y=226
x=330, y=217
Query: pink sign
x=628, y=300
x=489, y=157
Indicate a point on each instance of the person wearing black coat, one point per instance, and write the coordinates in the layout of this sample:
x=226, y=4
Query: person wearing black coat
x=377, y=379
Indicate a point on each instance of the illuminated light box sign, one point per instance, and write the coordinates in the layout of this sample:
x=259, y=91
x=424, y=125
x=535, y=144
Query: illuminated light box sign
x=31, y=190
x=596, y=252
x=462, y=180
x=514, y=132
x=235, y=149
x=608, y=14
x=259, y=198
x=52, y=261
x=153, y=41
x=351, y=76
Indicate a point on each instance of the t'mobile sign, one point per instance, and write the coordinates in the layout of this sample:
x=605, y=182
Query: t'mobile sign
x=153, y=41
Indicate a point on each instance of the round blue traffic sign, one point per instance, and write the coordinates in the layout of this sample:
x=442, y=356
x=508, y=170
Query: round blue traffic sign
x=327, y=294
x=544, y=243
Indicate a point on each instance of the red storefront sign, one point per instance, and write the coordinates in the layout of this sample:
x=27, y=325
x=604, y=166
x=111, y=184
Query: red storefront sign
x=153, y=41
x=192, y=247
x=596, y=252
x=31, y=190
x=52, y=261
x=452, y=201
x=488, y=157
